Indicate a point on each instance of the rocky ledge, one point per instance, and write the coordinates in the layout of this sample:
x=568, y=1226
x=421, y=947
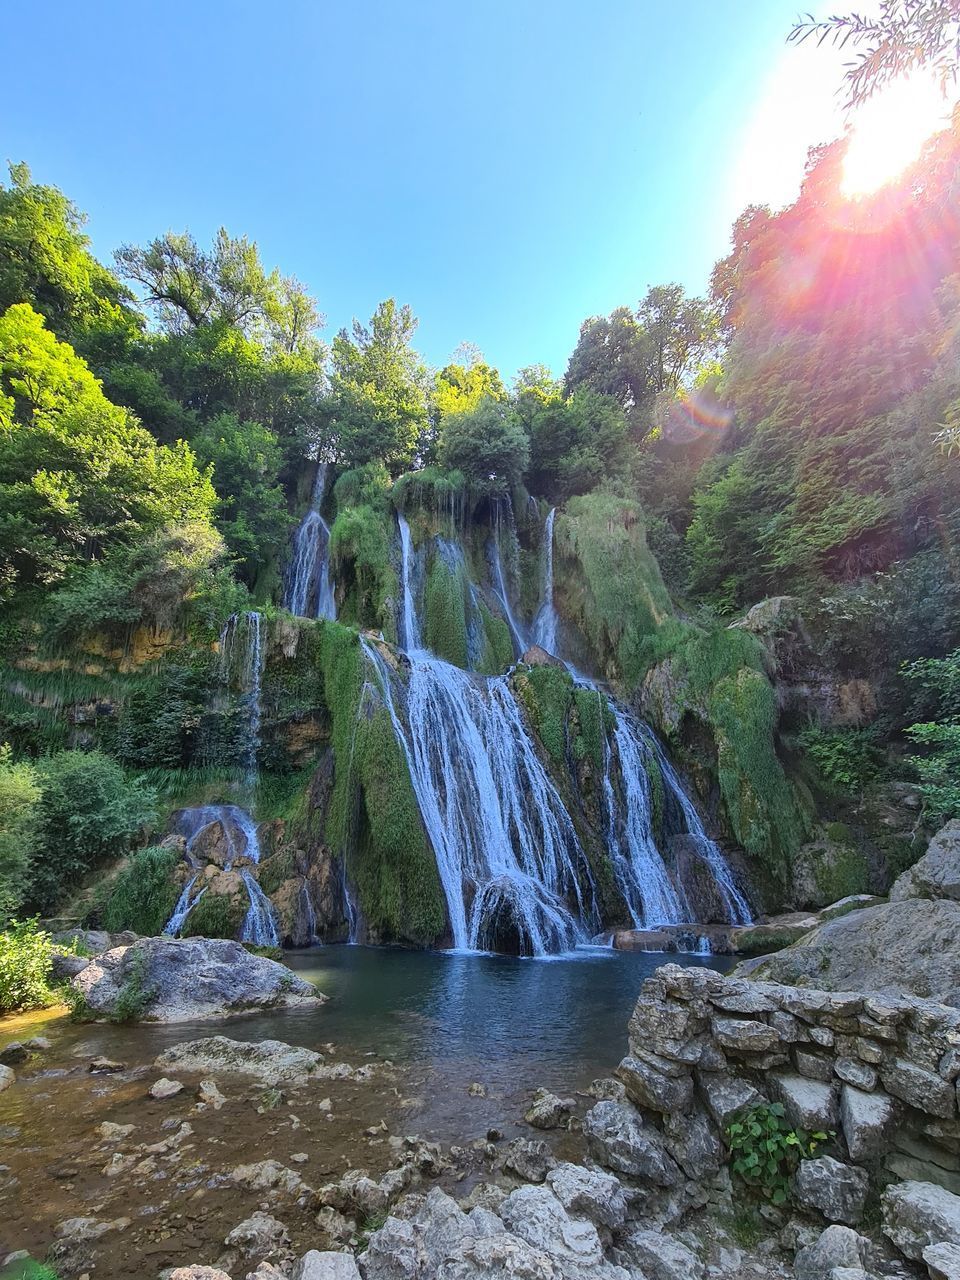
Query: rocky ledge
x=179, y=980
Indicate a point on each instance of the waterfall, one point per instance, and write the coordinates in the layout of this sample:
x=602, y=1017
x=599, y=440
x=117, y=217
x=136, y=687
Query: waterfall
x=183, y=908
x=411, y=628
x=241, y=659
x=260, y=923
x=500, y=587
x=351, y=909
x=308, y=577
x=545, y=626
x=507, y=853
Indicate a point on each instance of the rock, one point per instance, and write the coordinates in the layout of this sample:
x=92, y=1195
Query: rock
x=937, y=874
x=64, y=964
x=100, y=1065
x=197, y=1272
x=268, y=1175
x=13, y=1054
x=326, y=1266
x=477, y=1090
x=394, y=1252
x=838, y=1191
x=164, y=1088
x=808, y=1104
x=7, y=1078
x=496, y=1257
x=270, y=1061
x=110, y=1132
x=660, y=1257
x=536, y=656
x=868, y=1119
x=726, y=1096
x=529, y=1160
x=693, y=1142
x=854, y=1072
x=909, y=946
x=648, y=1087
x=917, y=1214
x=260, y=1233
x=547, y=1111
x=589, y=1192
x=837, y=1247
x=943, y=1261
x=618, y=1139
x=190, y=978
x=741, y=1035
x=209, y=1095
x=38, y=1044
x=919, y=1088
x=536, y=1216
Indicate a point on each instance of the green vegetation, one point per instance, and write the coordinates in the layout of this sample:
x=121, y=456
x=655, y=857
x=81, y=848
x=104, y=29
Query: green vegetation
x=934, y=685
x=134, y=996
x=25, y=958
x=445, y=611
x=216, y=915
x=143, y=894
x=765, y=1150
x=547, y=694
x=486, y=444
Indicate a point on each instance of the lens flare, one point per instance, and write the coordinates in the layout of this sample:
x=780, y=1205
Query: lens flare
x=887, y=132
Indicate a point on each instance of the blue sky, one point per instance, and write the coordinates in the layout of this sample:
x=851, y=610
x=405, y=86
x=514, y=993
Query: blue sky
x=507, y=168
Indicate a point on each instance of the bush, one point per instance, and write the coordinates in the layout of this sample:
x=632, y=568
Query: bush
x=143, y=895
x=488, y=445
x=19, y=794
x=766, y=1151
x=25, y=951
x=847, y=759
x=89, y=810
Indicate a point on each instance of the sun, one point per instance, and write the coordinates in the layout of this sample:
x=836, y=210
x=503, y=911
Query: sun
x=887, y=132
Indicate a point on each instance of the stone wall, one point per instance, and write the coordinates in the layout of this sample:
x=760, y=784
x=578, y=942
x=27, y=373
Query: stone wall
x=879, y=1071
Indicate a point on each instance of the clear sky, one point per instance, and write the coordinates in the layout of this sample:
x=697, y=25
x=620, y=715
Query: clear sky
x=507, y=167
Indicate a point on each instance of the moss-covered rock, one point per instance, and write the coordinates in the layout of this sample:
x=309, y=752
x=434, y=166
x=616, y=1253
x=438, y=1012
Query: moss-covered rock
x=445, y=611
x=826, y=870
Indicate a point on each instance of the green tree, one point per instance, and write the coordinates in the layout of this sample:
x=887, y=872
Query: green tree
x=77, y=473
x=487, y=444
x=460, y=387
x=575, y=441
x=252, y=513
x=377, y=407
x=19, y=794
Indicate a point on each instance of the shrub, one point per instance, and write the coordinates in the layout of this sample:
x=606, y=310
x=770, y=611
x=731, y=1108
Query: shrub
x=19, y=795
x=89, y=810
x=847, y=759
x=766, y=1151
x=25, y=951
x=215, y=916
x=143, y=895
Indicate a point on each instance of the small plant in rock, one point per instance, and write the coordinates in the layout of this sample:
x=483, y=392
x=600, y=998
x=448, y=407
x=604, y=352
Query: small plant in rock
x=765, y=1150
x=134, y=996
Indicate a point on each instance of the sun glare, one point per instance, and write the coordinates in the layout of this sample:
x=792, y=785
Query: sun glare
x=887, y=132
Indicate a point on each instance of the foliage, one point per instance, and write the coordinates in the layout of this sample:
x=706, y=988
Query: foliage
x=576, y=441
x=19, y=795
x=487, y=444
x=905, y=36
x=934, y=689
x=766, y=1150
x=361, y=561
x=89, y=810
x=216, y=915
x=445, y=611
x=143, y=894
x=461, y=388
x=847, y=759
x=547, y=693
x=25, y=959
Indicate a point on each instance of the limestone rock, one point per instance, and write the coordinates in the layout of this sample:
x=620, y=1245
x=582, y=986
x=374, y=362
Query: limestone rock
x=838, y=1191
x=537, y=1217
x=271, y=1061
x=209, y=1095
x=190, y=978
x=536, y=656
x=547, y=1111
x=808, y=1104
x=618, y=1139
x=648, y=1087
x=394, y=1252
x=198, y=1272
x=496, y=1257
x=868, y=1119
x=726, y=1096
x=590, y=1192
x=837, y=1247
x=943, y=1261
x=661, y=1257
x=260, y=1233
x=917, y=1214
x=693, y=1142
x=268, y=1175
x=937, y=874
x=7, y=1077
x=164, y=1088
x=317, y=1265
x=908, y=946
x=529, y=1160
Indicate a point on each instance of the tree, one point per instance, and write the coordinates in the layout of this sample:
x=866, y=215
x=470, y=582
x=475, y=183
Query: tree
x=19, y=794
x=377, y=407
x=575, y=441
x=77, y=473
x=904, y=36
x=460, y=387
x=488, y=445
x=252, y=511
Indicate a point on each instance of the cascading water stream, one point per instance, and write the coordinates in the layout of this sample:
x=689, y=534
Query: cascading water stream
x=410, y=627
x=545, y=625
x=183, y=908
x=310, y=590
x=242, y=657
x=499, y=582
x=260, y=923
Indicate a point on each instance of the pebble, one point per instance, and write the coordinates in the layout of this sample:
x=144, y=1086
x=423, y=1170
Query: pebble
x=105, y=1064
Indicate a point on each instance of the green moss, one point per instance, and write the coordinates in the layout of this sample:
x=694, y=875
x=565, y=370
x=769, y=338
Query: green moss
x=608, y=581
x=443, y=493
x=445, y=612
x=394, y=867
x=497, y=653
x=360, y=559
x=593, y=720
x=547, y=694
x=215, y=916
x=143, y=895
x=844, y=872
x=760, y=803
x=274, y=870
x=658, y=792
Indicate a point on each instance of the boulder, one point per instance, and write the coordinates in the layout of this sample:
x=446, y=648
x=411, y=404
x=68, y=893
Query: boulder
x=190, y=978
x=547, y=1111
x=317, y=1265
x=164, y=1088
x=809, y=1104
x=937, y=874
x=834, y=1249
x=537, y=1217
x=536, y=656
x=726, y=1096
x=272, y=1062
x=618, y=1139
x=908, y=946
x=838, y=1191
x=531, y=1161
x=7, y=1077
x=589, y=1192
x=943, y=1261
x=496, y=1257
x=661, y=1257
x=260, y=1233
x=868, y=1119
x=654, y=1089
x=394, y=1252
x=918, y=1214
